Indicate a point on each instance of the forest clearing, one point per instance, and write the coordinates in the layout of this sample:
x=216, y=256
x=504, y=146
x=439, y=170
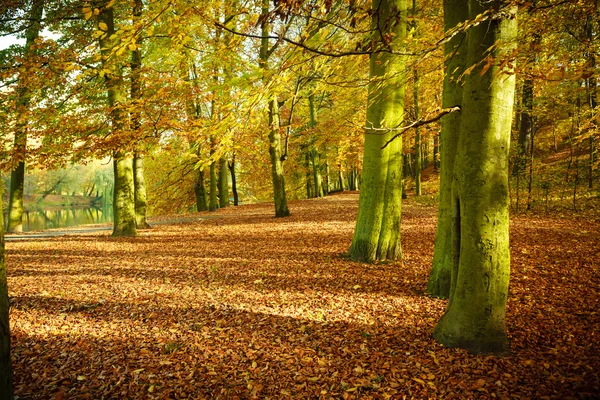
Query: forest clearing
x=244, y=305
x=385, y=199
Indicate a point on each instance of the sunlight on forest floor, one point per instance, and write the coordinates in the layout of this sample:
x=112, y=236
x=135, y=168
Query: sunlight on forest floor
x=246, y=305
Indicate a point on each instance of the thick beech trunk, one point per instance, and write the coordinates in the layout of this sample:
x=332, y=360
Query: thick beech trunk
x=123, y=196
x=377, y=232
x=455, y=12
x=475, y=316
x=17, y=176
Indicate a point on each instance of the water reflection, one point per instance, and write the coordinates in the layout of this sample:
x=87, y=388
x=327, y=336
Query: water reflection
x=39, y=220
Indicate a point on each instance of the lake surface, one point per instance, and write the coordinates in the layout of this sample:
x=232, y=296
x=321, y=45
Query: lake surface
x=39, y=220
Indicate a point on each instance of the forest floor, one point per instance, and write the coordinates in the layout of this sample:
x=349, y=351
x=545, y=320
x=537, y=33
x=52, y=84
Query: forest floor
x=249, y=306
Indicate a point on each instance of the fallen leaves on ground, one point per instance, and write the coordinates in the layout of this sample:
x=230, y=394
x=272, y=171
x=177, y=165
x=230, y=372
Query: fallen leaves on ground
x=249, y=306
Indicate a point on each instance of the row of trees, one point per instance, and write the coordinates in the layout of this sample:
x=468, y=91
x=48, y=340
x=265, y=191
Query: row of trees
x=269, y=98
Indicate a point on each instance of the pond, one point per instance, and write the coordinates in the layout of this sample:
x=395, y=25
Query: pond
x=39, y=220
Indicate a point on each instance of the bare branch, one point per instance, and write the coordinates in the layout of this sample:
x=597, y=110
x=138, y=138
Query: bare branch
x=421, y=122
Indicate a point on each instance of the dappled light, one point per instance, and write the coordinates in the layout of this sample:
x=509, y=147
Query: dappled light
x=232, y=306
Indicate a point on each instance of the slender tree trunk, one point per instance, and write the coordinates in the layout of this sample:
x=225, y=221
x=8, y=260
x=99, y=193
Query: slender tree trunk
x=6, y=385
x=314, y=153
x=139, y=183
x=138, y=158
x=123, y=192
x=213, y=202
x=418, y=157
x=455, y=12
x=17, y=176
x=223, y=182
x=377, y=232
x=436, y=153
x=475, y=316
x=327, y=187
x=279, y=195
x=200, y=191
x=233, y=180
x=341, y=178
x=530, y=181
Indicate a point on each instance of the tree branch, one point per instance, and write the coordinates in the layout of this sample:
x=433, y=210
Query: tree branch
x=421, y=122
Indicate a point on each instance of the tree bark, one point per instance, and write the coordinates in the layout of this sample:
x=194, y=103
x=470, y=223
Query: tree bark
x=223, y=182
x=200, y=192
x=475, y=316
x=124, y=189
x=213, y=202
x=418, y=155
x=17, y=176
x=233, y=181
x=139, y=184
x=377, y=232
x=6, y=380
x=455, y=12
x=138, y=158
x=279, y=195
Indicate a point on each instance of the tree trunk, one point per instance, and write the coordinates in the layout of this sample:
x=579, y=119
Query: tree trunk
x=455, y=12
x=200, y=192
x=475, y=316
x=139, y=183
x=213, y=202
x=327, y=187
x=418, y=157
x=123, y=196
x=377, y=232
x=17, y=176
x=123, y=192
x=223, y=182
x=233, y=181
x=279, y=195
x=138, y=158
x=436, y=152
x=6, y=387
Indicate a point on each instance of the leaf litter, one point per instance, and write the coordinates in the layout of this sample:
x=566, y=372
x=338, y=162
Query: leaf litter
x=242, y=305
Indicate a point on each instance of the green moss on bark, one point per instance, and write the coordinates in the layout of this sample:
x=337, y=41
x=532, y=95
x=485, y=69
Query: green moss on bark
x=377, y=233
x=455, y=12
x=475, y=317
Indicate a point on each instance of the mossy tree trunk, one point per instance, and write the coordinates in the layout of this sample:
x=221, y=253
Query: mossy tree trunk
x=377, y=232
x=124, y=187
x=123, y=196
x=139, y=182
x=17, y=175
x=314, y=152
x=475, y=316
x=200, y=191
x=418, y=161
x=223, y=182
x=6, y=386
x=277, y=177
x=455, y=12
